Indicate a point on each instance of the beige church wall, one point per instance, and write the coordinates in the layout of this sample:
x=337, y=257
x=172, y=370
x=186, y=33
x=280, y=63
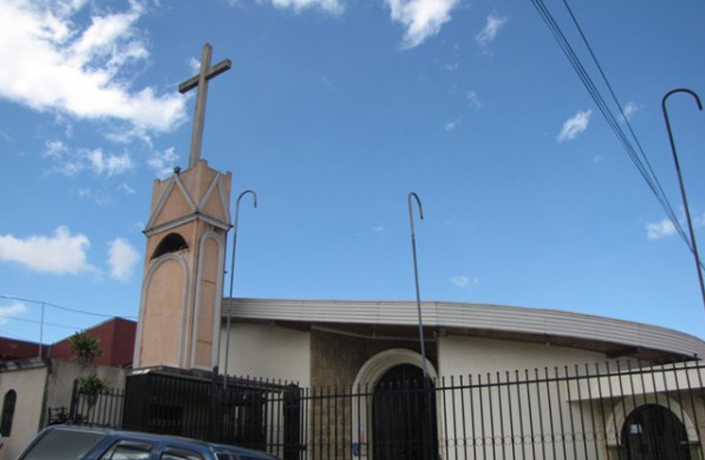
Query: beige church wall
x=268, y=351
x=197, y=179
x=208, y=302
x=469, y=355
x=29, y=384
x=176, y=206
x=164, y=314
x=475, y=358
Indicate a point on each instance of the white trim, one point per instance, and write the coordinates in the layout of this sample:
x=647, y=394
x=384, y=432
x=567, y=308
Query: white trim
x=218, y=297
x=224, y=199
x=154, y=264
x=365, y=382
x=468, y=317
x=209, y=191
x=187, y=195
x=214, y=222
x=160, y=203
x=186, y=219
x=628, y=406
x=375, y=367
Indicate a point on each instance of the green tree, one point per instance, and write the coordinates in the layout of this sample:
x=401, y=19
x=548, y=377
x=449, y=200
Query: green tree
x=85, y=349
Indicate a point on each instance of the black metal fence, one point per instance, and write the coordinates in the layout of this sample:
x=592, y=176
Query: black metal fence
x=103, y=407
x=627, y=411
x=612, y=412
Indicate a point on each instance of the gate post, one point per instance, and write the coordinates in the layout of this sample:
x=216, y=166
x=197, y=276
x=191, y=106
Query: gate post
x=292, y=422
x=216, y=419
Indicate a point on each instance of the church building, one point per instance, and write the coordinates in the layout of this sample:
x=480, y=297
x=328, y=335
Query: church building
x=365, y=347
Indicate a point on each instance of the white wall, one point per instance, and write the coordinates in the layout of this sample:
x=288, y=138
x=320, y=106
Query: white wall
x=489, y=409
x=268, y=351
x=63, y=374
x=468, y=355
x=28, y=383
x=39, y=389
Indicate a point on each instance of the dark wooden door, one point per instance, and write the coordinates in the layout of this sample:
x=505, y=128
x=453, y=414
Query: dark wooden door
x=653, y=432
x=404, y=416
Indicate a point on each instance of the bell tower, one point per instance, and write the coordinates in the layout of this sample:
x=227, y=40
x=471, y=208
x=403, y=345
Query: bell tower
x=182, y=285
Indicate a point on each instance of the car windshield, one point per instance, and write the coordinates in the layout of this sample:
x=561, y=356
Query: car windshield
x=63, y=444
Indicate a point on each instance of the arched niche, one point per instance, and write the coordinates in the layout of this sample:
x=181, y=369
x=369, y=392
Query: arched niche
x=173, y=242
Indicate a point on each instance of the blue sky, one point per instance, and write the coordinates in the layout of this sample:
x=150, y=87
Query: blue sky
x=333, y=112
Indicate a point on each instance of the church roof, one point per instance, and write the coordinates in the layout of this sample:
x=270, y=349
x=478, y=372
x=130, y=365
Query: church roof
x=614, y=337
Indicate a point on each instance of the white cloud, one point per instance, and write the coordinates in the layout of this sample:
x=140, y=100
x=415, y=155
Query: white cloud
x=53, y=63
x=122, y=258
x=421, y=18
x=70, y=162
x=126, y=189
x=163, y=162
x=329, y=6
x=194, y=64
x=120, y=135
x=463, y=281
x=108, y=164
x=61, y=254
x=99, y=197
x=451, y=125
x=8, y=312
x=492, y=27
x=473, y=100
x=629, y=109
x=666, y=227
x=662, y=229
x=452, y=67
x=699, y=221
x=378, y=229
x=574, y=126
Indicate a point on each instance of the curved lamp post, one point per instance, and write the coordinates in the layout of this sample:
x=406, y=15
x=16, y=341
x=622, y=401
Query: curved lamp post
x=232, y=274
x=428, y=448
x=680, y=181
x=416, y=279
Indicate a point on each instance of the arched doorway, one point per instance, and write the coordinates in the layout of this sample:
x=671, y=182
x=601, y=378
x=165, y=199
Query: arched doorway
x=652, y=432
x=404, y=416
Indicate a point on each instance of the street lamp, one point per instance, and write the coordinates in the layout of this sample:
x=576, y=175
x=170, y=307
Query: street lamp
x=416, y=279
x=232, y=273
x=694, y=246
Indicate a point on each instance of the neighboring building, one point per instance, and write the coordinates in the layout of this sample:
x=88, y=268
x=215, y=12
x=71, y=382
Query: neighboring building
x=31, y=386
x=13, y=349
x=116, y=338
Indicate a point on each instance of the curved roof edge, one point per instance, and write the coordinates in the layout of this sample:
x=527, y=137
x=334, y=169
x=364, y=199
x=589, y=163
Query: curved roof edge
x=473, y=317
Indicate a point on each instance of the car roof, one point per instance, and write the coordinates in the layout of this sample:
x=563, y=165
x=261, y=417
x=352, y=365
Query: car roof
x=174, y=441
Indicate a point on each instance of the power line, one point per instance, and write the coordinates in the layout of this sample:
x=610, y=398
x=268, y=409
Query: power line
x=666, y=204
x=60, y=307
x=24, y=320
x=639, y=158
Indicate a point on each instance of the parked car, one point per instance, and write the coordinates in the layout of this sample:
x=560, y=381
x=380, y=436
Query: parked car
x=69, y=442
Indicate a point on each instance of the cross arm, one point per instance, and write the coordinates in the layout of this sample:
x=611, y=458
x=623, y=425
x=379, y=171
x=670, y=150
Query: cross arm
x=214, y=71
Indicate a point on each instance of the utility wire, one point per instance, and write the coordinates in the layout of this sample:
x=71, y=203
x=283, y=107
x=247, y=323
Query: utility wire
x=24, y=320
x=60, y=307
x=644, y=167
x=659, y=192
